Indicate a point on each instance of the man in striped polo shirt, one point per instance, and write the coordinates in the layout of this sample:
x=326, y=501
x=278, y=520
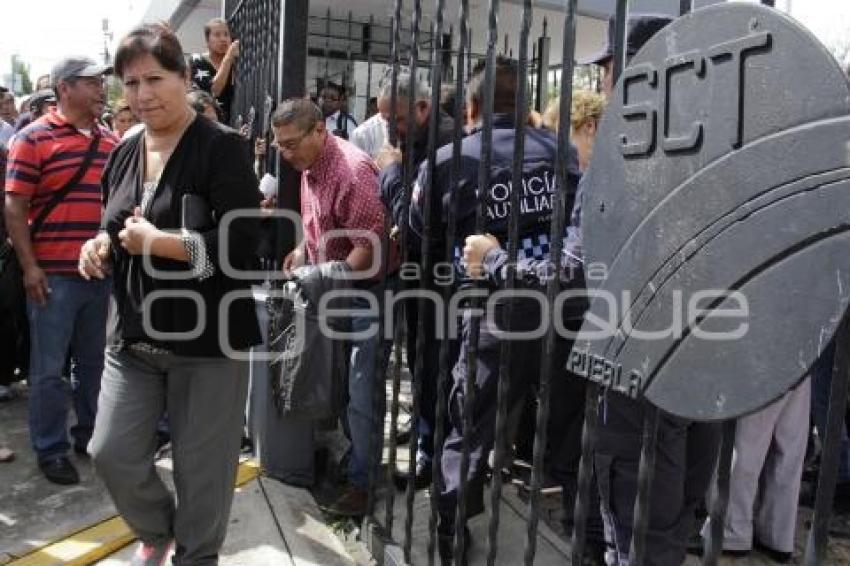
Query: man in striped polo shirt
x=67, y=314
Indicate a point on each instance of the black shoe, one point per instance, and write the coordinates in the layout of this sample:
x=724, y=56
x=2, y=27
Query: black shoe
x=352, y=502
x=772, y=553
x=60, y=470
x=423, y=475
x=446, y=547
x=695, y=545
x=422, y=479
x=81, y=449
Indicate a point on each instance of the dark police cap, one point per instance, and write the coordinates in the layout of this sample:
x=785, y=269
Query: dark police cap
x=640, y=27
x=42, y=97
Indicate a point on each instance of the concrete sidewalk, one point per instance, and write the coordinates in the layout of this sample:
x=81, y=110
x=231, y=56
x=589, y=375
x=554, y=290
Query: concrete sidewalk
x=271, y=523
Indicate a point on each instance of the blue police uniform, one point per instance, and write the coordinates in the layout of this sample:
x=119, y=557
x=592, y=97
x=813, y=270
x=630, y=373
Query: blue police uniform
x=536, y=200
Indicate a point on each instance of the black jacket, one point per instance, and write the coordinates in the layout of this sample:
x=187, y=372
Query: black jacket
x=391, y=179
x=210, y=161
x=539, y=184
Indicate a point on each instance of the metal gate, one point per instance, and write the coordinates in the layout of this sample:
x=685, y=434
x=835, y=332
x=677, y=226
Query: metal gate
x=682, y=154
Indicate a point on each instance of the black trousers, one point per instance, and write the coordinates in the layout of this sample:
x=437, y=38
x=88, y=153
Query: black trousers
x=684, y=463
x=428, y=374
x=567, y=395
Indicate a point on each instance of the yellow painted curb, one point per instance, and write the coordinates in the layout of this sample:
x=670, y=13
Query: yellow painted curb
x=103, y=539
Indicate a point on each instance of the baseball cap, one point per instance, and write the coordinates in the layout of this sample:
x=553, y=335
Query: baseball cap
x=40, y=98
x=72, y=67
x=640, y=28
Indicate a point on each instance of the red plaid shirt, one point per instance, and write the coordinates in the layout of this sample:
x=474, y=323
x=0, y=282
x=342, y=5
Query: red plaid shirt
x=340, y=203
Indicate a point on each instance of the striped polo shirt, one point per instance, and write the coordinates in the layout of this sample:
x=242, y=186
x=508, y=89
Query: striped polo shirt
x=42, y=158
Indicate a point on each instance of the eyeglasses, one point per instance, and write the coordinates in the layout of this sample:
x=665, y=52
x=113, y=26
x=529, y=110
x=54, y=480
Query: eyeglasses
x=291, y=144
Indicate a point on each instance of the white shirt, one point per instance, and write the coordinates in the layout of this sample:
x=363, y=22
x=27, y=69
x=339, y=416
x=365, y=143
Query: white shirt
x=331, y=123
x=371, y=135
x=6, y=132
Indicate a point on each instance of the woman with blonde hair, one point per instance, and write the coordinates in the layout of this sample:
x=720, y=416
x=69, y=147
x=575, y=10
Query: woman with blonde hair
x=585, y=114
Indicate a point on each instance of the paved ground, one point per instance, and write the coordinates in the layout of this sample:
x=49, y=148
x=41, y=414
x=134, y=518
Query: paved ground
x=271, y=523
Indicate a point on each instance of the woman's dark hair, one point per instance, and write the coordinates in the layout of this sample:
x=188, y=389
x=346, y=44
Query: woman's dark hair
x=156, y=40
x=199, y=100
x=211, y=24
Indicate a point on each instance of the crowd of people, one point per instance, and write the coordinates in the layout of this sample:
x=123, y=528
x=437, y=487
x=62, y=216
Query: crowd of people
x=122, y=256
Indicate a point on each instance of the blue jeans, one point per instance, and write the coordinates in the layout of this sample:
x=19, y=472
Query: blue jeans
x=73, y=321
x=362, y=417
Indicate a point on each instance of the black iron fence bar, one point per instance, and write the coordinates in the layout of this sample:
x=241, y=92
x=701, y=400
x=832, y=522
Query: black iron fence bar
x=327, y=46
x=398, y=317
x=349, y=68
x=428, y=214
x=591, y=411
x=395, y=56
x=471, y=361
x=451, y=233
x=714, y=542
x=621, y=17
x=503, y=389
x=408, y=173
x=585, y=470
x=771, y=3
x=646, y=473
x=542, y=75
x=469, y=53
x=533, y=68
x=816, y=546
x=685, y=7
x=369, y=66
x=559, y=204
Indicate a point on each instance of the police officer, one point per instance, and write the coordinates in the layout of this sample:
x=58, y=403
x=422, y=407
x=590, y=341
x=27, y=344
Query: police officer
x=538, y=188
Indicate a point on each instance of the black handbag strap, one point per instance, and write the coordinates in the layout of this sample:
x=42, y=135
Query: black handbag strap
x=66, y=188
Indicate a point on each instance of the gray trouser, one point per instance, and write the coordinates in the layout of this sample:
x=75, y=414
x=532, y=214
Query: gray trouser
x=205, y=398
x=770, y=446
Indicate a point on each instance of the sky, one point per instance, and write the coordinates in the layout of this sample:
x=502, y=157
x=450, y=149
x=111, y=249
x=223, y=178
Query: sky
x=66, y=28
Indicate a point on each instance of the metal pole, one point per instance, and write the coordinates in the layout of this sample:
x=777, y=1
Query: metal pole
x=399, y=318
x=327, y=48
x=685, y=7
x=552, y=288
x=503, y=391
x=425, y=250
x=368, y=48
x=816, y=546
x=585, y=470
x=475, y=320
x=646, y=474
x=714, y=543
x=544, y=45
x=410, y=139
x=469, y=53
x=620, y=38
x=451, y=234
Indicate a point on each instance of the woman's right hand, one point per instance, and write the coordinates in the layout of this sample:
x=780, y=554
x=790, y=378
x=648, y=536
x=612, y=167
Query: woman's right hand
x=94, y=257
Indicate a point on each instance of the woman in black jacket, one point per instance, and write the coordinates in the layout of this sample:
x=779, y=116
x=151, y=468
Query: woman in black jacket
x=184, y=313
